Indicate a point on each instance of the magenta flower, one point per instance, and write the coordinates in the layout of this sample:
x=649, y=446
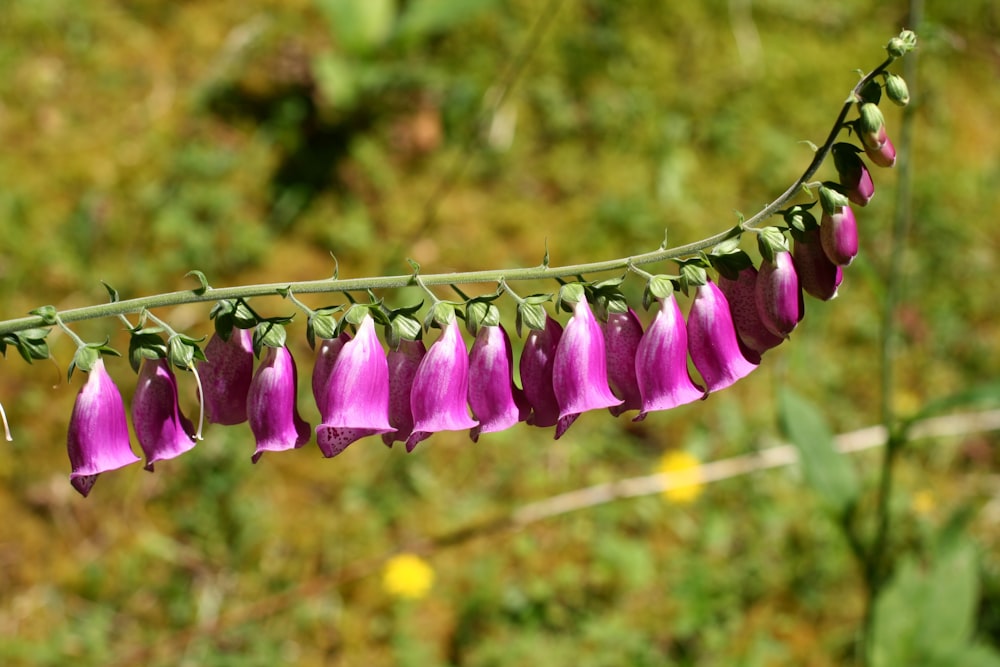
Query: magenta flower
x=777, y=294
x=622, y=334
x=741, y=294
x=854, y=175
x=161, y=428
x=537, y=358
x=326, y=358
x=838, y=234
x=818, y=276
x=271, y=404
x=403, y=363
x=98, y=431
x=493, y=396
x=440, y=388
x=357, y=393
x=579, y=370
x=884, y=155
x=225, y=377
x=661, y=362
x=712, y=340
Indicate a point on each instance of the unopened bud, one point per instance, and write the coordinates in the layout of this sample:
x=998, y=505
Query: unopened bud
x=871, y=126
x=903, y=44
x=896, y=90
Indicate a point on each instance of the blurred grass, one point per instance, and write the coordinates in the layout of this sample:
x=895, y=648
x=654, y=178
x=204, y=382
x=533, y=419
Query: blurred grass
x=143, y=139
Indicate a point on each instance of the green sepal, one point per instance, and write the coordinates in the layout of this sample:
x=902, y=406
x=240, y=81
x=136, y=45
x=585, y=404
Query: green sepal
x=232, y=313
x=183, y=351
x=30, y=343
x=440, y=315
x=729, y=259
x=569, y=295
x=901, y=45
x=87, y=355
x=771, y=241
x=658, y=287
x=870, y=121
x=693, y=274
x=401, y=326
x=531, y=315
x=145, y=344
x=47, y=313
x=800, y=221
x=322, y=324
x=112, y=292
x=608, y=298
x=832, y=197
x=202, y=281
x=872, y=92
x=270, y=332
x=480, y=312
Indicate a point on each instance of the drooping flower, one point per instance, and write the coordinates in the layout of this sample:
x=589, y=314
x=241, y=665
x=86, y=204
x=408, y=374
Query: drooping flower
x=579, y=370
x=854, y=175
x=98, y=431
x=661, y=362
x=818, y=276
x=271, y=404
x=226, y=375
x=161, y=428
x=326, y=357
x=884, y=155
x=778, y=295
x=403, y=363
x=838, y=232
x=493, y=395
x=712, y=340
x=535, y=366
x=755, y=339
x=622, y=334
x=357, y=393
x=440, y=388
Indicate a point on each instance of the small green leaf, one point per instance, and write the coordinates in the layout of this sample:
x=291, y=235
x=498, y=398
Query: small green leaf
x=112, y=292
x=47, y=313
x=532, y=315
x=270, y=333
x=202, y=280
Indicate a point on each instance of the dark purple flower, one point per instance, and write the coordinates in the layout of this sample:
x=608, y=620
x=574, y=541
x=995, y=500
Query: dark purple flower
x=492, y=393
x=661, y=362
x=712, y=340
x=741, y=294
x=271, y=404
x=818, y=276
x=440, y=388
x=854, y=175
x=357, y=394
x=622, y=334
x=777, y=294
x=161, y=428
x=579, y=370
x=326, y=357
x=403, y=363
x=838, y=233
x=535, y=366
x=98, y=431
x=225, y=377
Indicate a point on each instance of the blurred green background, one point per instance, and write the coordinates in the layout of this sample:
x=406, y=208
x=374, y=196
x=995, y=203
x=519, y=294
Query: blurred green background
x=143, y=138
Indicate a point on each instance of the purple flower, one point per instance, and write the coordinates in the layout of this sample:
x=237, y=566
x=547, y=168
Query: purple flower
x=357, y=393
x=536, y=362
x=403, y=363
x=741, y=294
x=854, y=175
x=326, y=358
x=661, y=362
x=271, y=405
x=884, y=155
x=98, y=431
x=493, y=396
x=777, y=294
x=440, y=388
x=712, y=340
x=838, y=234
x=622, y=334
x=579, y=370
x=818, y=276
x=225, y=377
x=161, y=428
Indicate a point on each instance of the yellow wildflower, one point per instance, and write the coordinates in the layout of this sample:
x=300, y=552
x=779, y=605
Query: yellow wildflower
x=923, y=502
x=683, y=474
x=407, y=576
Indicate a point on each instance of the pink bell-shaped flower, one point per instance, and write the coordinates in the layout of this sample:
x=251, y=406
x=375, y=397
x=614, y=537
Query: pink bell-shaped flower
x=403, y=363
x=357, y=394
x=661, y=362
x=493, y=396
x=326, y=358
x=441, y=388
x=712, y=340
x=537, y=358
x=741, y=294
x=622, y=334
x=854, y=175
x=161, y=428
x=818, y=276
x=884, y=155
x=778, y=295
x=98, y=431
x=579, y=370
x=225, y=377
x=838, y=232
x=271, y=404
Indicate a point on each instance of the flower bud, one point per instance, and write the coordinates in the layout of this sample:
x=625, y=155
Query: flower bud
x=741, y=294
x=622, y=334
x=536, y=363
x=777, y=294
x=712, y=340
x=885, y=156
x=818, y=275
x=97, y=440
x=661, y=362
x=357, y=393
x=896, y=89
x=838, y=234
x=271, y=404
x=403, y=363
x=871, y=126
x=161, y=428
x=225, y=377
x=579, y=370
x=853, y=173
x=440, y=388
x=903, y=44
x=492, y=394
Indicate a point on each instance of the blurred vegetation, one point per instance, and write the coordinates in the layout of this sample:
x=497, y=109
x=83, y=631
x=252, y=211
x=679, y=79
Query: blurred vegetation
x=250, y=140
